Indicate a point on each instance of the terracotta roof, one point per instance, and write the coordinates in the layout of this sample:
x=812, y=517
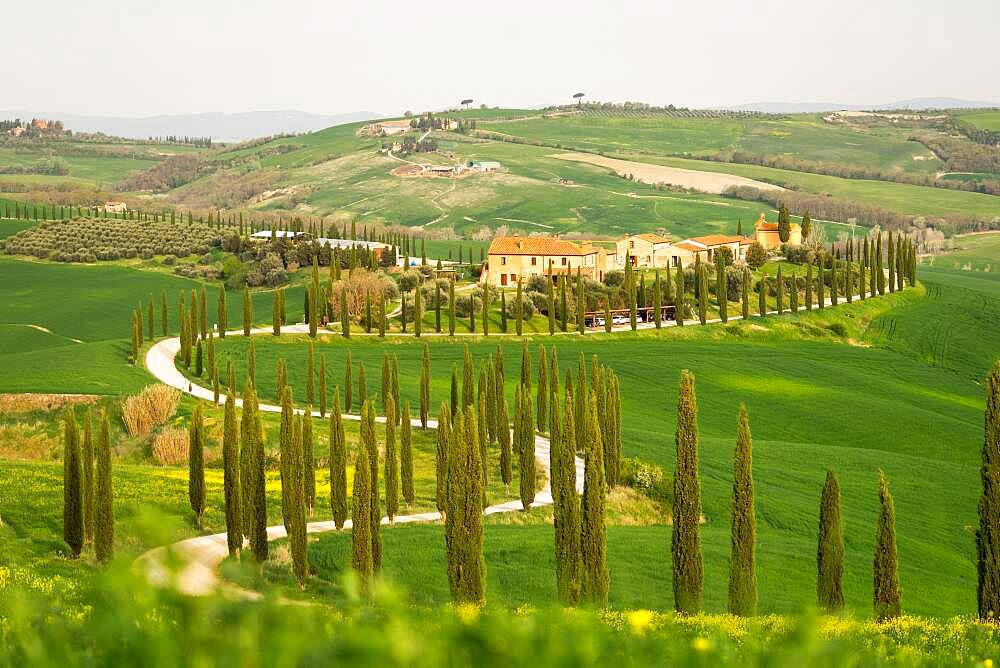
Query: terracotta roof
x=537, y=246
x=717, y=239
x=652, y=238
x=773, y=227
x=684, y=245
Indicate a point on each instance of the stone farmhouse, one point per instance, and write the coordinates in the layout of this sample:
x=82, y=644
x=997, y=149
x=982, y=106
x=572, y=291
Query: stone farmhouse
x=514, y=259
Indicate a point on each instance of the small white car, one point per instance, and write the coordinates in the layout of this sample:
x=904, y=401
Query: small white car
x=619, y=320
x=598, y=322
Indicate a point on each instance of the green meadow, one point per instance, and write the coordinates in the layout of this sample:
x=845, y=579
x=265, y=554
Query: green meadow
x=816, y=401
x=987, y=119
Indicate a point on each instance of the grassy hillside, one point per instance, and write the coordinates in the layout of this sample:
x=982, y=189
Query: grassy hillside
x=86, y=338
x=812, y=406
x=987, y=119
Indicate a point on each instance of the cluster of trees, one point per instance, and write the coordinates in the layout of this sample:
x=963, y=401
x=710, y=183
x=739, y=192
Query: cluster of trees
x=88, y=512
x=52, y=165
x=965, y=155
x=171, y=173
x=977, y=134
x=830, y=208
x=92, y=239
x=685, y=547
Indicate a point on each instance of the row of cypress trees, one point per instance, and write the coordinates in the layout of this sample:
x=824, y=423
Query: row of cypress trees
x=686, y=553
x=88, y=488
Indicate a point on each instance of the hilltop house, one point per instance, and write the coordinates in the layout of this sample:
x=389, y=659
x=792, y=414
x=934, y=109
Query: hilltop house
x=484, y=165
x=115, y=207
x=513, y=259
x=767, y=234
x=653, y=250
x=643, y=250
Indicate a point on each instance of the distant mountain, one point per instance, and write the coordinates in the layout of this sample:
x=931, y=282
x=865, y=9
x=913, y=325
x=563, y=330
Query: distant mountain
x=919, y=103
x=219, y=126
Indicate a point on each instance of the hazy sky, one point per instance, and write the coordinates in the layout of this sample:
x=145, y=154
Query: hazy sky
x=176, y=56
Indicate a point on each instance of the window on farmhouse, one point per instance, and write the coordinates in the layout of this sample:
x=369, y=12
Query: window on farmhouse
x=503, y=260
x=564, y=262
x=534, y=261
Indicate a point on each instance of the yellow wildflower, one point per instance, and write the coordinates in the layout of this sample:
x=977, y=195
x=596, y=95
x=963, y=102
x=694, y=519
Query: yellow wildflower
x=701, y=644
x=640, y=620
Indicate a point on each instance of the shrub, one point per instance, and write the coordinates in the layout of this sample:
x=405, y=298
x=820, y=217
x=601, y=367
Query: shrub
x=646, y=478
x=837, y=328
x=756, y=256
x=149, y=409
x=170, y=446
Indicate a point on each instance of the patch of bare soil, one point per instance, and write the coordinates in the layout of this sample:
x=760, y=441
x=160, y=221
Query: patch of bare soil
x=709, y=182
x=25, y=403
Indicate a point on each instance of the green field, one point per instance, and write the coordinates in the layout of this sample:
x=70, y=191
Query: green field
x=985, y=119
x=812, y=407
x=805, y=136
x=34, y=294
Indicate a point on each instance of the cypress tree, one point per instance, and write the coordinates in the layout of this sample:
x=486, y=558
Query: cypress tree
x=780, y=286
x=451, y=308
x=231, y=478
x=338, y=464
x=308, y=462
x=745, y=294
x=383, y=317
x=247, y=312
x=525, y=365
x=322, y=386
x=593, y=540
x=685, y=545
x=504, y=441
x=348, y=383
x=834, y=281
x=891, y=262
x=223, y=316
x=820, y=282
x=809, y=286
x=657, y=300
x=542, y=400
x=524, y=445
x=394, y=383
x=467, y=569
x=441, y=458
x=345, y=314
x=519, y=311
x=406, y=455
x=368, y=312
x=468, y=384
x=885, y=565
x=368, y=442
x=437, y=306
x=312, y=305
x=680, y=307
x=880, y=274
x=830, y=550
x=196, y=463
x=503, y=311
x=702, y=279
x=104, y=512
x=456, y=492
x=285, y=437
x=164, y=319
x=563, y=306
x=486, y=310
x=150, y=324
x=418, y=312
x=361, y=521
x=581, y=304
x=297, y=504
x=743, y=566
x=276, y=313
x=88, y=479
x=472, y=312
x=988, y=535
x=425, y=386
x=550, y=293
x=72, y=485
x=453, y=405
x=391, y=461
x=252, y=475
x=566, y=504
x=721, y=288
x=203, y=313
x=385, y=381
x=199, y=364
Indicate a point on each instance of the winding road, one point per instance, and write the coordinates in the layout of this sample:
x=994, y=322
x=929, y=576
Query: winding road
x=196, y=560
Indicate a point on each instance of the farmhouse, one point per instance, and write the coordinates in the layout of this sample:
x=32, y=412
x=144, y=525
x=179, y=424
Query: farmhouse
x=386, y=128
x=484, y=165
x=643, y=250
x=767, y=234
x=344, y=244
x=513, y=259
x=115, y=207
x=653, y=250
